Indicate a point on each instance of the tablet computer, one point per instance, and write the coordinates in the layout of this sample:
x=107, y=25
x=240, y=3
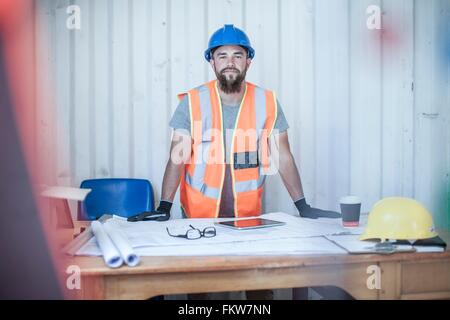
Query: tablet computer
x=250, y=223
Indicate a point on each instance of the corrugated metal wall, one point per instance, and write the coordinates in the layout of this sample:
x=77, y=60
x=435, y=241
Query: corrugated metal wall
x=369, y=110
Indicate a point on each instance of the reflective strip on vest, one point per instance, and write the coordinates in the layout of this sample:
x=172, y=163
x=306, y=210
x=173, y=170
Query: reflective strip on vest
x=197, y=180
x=250, y=185
x=203, y=188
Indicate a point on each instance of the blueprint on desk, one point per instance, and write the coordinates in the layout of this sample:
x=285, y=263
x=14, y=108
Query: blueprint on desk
x=296, y=236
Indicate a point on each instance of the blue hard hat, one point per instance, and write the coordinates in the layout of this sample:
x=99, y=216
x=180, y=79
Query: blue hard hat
x=231, y=36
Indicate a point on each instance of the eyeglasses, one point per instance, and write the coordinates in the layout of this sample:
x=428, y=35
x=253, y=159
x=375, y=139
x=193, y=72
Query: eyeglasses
x=195, y=233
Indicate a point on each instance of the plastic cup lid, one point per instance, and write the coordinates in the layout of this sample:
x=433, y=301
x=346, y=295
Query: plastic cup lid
x=350, y=200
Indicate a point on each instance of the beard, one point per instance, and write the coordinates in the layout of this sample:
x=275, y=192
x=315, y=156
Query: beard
x=230, y=85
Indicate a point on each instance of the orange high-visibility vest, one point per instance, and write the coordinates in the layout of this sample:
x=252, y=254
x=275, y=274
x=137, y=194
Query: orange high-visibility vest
x=203, y=176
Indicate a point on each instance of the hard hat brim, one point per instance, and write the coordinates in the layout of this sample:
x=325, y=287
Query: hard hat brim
x=250, y=50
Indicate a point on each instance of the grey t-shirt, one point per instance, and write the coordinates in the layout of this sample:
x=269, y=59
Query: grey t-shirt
x=181, y=120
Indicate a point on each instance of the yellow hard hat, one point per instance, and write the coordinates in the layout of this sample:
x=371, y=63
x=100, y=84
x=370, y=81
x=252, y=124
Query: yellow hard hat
x=400, y=219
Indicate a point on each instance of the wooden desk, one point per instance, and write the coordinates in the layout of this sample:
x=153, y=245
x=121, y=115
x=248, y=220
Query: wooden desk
x=403, y=276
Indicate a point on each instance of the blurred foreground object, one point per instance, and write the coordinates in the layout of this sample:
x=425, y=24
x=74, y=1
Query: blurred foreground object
x=28, y=269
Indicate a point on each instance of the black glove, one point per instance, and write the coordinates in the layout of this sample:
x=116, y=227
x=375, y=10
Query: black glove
x=306, y=211
x=161, y=214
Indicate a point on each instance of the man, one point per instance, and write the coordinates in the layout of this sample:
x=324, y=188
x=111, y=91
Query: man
x=220, y=146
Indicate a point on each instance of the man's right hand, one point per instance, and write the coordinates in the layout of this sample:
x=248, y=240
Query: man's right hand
x=306, y=211
x=162, y=213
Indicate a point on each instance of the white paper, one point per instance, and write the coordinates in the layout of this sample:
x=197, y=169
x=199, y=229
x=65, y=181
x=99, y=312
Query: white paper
x=121, y=242
x=107, y=249
x=429, y=248
x=68, y=193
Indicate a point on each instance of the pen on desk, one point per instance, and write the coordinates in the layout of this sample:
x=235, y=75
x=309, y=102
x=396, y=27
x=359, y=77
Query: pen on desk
x=342, y=233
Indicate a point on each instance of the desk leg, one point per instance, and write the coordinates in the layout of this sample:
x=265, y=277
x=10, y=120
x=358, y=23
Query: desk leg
x=92, y=288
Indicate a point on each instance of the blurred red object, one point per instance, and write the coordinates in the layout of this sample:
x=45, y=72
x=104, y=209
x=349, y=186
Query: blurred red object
x=30, y=265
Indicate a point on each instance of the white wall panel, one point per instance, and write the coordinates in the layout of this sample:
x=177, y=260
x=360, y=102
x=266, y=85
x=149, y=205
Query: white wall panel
x=300, y=108
x=101, y=86
x=368, y=109
x=365, y=106
x=332, y=101
x=160, y=90
x=121, y=76
x=432, y=108
x=397, y=103
x=82, y=82
x=295, y=95
x=139, y=95
x=62, y=75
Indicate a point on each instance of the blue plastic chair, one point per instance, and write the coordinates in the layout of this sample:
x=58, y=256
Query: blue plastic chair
x=122, y=197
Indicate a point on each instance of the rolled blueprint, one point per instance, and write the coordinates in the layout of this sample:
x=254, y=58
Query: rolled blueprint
x=110, y=253
x=121, y=242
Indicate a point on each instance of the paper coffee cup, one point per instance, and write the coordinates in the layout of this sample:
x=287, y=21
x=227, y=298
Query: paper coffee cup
x=350, y=210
